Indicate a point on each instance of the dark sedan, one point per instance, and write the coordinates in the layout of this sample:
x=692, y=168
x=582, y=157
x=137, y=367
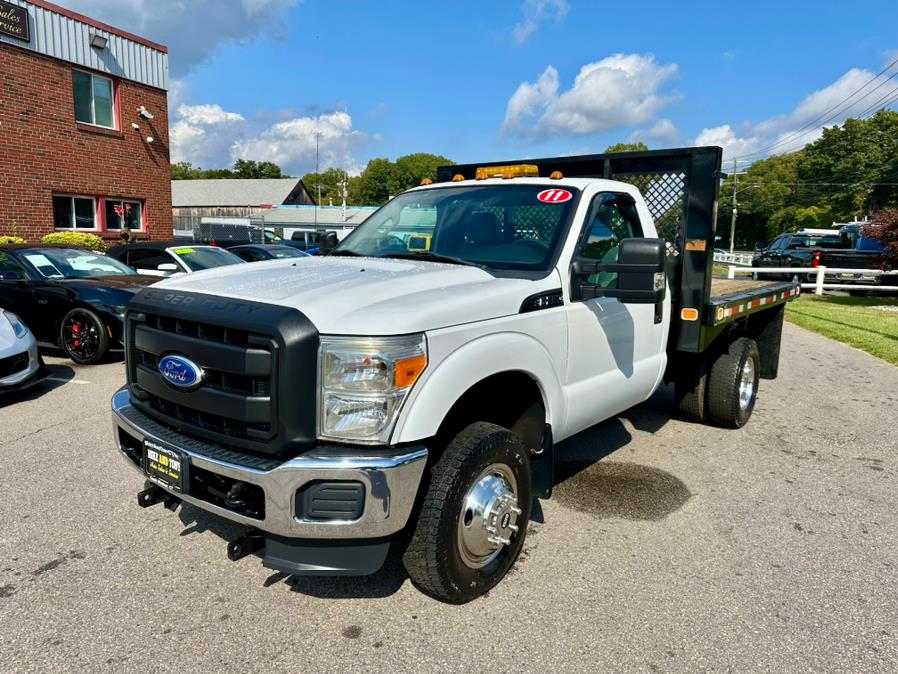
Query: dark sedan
x=70, y=298
x=255, y=252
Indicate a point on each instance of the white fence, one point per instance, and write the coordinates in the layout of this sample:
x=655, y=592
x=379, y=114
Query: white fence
x=819, y=273
x=733, y=258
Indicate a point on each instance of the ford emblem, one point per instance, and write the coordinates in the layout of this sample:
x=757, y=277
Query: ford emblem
x=181, y=372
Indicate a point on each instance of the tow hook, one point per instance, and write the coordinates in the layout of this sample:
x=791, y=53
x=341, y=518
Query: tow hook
x=247, y=544
x=151, y=495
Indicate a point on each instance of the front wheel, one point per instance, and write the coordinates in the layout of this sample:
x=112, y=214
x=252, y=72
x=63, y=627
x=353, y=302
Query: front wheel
x=83, y=336
x=474, y=516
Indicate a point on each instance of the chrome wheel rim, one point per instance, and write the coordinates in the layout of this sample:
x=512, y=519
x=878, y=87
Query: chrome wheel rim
x=747, y=384
x=488, y=518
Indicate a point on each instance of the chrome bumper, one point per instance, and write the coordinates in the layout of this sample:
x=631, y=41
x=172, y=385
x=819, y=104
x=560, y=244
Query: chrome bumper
x=390, y=477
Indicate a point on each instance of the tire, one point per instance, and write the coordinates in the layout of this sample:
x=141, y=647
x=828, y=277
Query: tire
x=733, y=384
x=690, y=390
x=443, y=557
x=859, y=293
x=83, y=336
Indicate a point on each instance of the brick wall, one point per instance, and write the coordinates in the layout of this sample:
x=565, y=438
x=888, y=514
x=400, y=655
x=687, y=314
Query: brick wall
x=43, y=150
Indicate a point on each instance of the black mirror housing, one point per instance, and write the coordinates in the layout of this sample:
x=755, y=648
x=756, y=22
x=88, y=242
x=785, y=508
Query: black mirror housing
x=327, y=242
x=640, y=268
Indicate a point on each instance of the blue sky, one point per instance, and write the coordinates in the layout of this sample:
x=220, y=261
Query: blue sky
x=492, y=80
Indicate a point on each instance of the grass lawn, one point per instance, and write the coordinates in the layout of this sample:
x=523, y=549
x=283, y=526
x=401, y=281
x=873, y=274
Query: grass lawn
x=851, y=320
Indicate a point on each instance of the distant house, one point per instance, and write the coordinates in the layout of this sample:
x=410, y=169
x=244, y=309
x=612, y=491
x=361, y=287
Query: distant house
x=308, y=222
x=193, y=200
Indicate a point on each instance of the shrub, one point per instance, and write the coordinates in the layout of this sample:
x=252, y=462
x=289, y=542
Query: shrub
x=885, y=230
x=11, y=239
x=76, y=240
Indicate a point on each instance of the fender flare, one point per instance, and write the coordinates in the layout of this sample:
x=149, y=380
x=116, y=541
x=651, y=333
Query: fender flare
x=440, y=388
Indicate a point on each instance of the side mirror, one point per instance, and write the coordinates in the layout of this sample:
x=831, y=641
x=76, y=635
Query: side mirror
x=168, y=267
x=10, y=276
x=328, y=242
x=640, y=269
x=759, y=246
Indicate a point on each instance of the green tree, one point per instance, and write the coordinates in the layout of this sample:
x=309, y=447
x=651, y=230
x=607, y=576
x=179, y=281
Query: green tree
x=376, y=184
x=626, y=147
x=243, y=168
x=330, y=182
x=411, y=169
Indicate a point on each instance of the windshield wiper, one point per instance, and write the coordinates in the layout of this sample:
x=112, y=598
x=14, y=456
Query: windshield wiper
x=349, y=253
x=432, y=257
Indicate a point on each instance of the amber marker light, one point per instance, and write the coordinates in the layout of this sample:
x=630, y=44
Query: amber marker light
x=407, y=370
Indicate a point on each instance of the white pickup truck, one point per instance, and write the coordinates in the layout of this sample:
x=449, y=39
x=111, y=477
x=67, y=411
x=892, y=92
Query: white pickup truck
x=409, y=386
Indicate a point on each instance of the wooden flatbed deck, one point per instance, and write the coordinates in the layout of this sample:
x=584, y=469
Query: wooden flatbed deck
x=724, y=287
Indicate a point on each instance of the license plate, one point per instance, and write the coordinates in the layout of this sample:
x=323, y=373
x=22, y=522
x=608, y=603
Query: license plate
x=166, y=465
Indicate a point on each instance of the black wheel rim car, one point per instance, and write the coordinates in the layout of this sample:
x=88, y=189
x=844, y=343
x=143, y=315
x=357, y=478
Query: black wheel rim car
x=81, y=336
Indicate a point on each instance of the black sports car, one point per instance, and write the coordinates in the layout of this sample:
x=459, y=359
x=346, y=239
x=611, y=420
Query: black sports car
x=255, y=252
x=69, y=297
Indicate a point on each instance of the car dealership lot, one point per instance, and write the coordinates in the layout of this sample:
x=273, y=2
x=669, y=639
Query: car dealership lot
x=685, y=547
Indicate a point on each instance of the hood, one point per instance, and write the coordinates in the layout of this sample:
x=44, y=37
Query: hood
x=369, y=296
x=129, y=282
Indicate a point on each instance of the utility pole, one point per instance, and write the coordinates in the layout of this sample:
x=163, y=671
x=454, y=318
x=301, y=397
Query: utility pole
x=735, y=208
x=318, y=200
x=344, y=185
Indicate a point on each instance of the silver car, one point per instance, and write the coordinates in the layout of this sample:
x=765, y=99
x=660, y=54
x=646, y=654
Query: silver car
x=20, y=363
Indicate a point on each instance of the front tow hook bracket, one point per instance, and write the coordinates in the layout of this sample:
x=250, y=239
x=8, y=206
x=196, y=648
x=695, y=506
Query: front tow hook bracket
x=247, y=544
x=152, y=495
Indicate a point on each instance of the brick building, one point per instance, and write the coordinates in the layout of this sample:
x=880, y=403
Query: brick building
x=83, y=126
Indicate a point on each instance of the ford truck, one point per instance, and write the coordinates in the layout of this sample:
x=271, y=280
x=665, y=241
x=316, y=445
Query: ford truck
x=410, y=385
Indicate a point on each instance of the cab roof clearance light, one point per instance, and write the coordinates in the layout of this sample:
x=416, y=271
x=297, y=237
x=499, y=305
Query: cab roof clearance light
x=512, y=171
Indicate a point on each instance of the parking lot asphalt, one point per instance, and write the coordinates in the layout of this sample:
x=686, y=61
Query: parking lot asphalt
x=668, y=546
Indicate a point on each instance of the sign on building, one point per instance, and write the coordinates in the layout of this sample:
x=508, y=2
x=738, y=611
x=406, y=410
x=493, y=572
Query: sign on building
x=14, y=21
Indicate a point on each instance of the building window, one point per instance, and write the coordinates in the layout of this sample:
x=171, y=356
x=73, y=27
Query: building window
x=122, y=211
x=94, y=99
x=74, y=212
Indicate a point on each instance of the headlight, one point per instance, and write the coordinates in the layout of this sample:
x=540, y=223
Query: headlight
x=363, y=383
x=18, y=327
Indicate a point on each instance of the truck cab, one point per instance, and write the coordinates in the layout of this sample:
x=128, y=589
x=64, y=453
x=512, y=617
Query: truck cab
x=416, y=378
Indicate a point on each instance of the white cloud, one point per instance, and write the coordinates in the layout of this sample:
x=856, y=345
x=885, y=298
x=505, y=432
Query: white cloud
x=291, y=144
x=203, y=135
x=537, y=12
x=211, y=137
x=787, y=133
x=618, y=91
x=663, y=132
x=192, y=30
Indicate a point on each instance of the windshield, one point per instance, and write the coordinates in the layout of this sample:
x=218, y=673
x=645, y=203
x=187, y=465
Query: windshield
x=285, y=251
x=497, y=226
x=200, y=258
x=74, y=263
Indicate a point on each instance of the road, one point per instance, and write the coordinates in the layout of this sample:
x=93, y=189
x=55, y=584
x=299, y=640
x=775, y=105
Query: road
x=668, y=546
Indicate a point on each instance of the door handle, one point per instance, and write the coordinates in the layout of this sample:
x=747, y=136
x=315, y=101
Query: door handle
x=42, y=301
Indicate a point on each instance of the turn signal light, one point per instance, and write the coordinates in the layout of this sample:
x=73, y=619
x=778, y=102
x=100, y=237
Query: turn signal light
x=407, y=370
x=513, y=171
x=689, y=314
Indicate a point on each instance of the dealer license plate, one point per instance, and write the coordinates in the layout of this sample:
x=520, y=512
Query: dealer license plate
x=165, y=464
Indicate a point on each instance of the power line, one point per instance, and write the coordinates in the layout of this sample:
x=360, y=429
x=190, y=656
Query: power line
x=815, y=123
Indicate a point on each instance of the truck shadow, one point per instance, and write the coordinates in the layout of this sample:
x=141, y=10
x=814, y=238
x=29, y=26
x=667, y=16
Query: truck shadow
x=382, y=584
x=608, y=489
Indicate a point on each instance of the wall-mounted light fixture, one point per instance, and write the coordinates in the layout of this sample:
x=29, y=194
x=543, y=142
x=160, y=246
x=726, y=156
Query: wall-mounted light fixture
x=135, y=126
x=143, y=112
x=98, y=41
x=150, y=139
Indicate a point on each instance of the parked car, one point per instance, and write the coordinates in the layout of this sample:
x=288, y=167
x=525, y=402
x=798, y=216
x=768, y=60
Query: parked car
x=256, y=252
x=857, y=252
x=71, y=298
x=21, y=365
x=167, y=258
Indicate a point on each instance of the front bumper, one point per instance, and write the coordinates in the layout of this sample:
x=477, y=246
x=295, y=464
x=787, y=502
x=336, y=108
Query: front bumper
x=390, y=478
x=33, y=373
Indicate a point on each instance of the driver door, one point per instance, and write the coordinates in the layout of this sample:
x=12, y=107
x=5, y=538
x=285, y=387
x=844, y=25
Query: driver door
x=15, y=295
x=616, y=351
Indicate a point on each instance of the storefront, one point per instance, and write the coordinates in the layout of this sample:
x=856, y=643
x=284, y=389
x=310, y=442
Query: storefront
x=84, y=119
